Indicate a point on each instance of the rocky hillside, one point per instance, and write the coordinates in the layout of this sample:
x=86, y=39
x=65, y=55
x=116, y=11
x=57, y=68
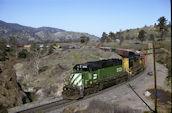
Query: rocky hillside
x=30, y=34
x=11, y=93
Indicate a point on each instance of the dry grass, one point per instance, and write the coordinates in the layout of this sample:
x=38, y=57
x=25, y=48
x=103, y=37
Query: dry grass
x=55, y=68
x=126, y=44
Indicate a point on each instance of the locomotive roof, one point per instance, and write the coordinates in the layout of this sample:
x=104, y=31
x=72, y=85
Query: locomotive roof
x=131, y=53
x=99, y=64
x=131, y=56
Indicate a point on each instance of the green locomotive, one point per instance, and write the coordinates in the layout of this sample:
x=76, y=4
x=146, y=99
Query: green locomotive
x=91, y=77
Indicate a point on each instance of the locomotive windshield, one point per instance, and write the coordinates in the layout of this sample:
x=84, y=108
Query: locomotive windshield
x=79, y=68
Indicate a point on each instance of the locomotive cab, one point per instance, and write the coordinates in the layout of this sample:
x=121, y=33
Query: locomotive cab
x=75, y=87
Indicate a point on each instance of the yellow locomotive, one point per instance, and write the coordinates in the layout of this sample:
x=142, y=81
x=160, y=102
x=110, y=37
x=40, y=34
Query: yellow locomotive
x=133, y=62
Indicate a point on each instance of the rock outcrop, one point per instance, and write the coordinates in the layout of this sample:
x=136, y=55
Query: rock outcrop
x=11, y=93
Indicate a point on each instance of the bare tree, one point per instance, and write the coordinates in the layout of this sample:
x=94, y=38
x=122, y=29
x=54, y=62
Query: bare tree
x=121, y=40
x=36, y=55
x=37, y=61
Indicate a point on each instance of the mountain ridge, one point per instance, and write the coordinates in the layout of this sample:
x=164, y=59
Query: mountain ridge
x=26, y=34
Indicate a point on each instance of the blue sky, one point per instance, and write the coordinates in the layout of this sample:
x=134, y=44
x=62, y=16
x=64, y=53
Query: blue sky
x=91, y=16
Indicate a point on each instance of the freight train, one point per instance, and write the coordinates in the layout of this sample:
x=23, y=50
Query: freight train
x=94, y=76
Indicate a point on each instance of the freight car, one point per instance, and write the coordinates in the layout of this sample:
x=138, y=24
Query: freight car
x=91, y=77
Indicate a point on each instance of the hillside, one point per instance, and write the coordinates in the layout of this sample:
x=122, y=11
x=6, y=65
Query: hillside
x=26, y=34
x=54, y=69
x=152, y=29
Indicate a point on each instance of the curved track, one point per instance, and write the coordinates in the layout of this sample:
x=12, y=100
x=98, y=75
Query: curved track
x=64, y=102
x=46, y=107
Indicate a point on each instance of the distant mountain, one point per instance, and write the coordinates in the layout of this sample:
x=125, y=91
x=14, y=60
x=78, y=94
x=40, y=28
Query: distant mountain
x=27, y=34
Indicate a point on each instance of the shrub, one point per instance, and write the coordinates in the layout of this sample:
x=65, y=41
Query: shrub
x=3, y=52
x=23, y=53
x=42, y=69
x=31, y=96
x=168, y=78
x=3, y=109
x=51, y=50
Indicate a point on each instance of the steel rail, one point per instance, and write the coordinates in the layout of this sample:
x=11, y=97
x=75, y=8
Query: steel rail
x=42, y=108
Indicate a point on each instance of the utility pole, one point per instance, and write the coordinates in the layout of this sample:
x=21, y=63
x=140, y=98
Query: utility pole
x=153, y=43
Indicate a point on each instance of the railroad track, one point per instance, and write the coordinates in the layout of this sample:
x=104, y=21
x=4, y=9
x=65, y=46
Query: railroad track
x=64, y=102
x=46, y=107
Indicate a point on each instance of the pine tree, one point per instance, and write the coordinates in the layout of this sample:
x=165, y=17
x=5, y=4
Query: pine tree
x=162, y=28
x=141, y=35
x=103, y=38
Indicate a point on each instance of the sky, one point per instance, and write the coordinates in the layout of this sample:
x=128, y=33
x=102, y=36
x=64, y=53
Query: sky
x=90, y=16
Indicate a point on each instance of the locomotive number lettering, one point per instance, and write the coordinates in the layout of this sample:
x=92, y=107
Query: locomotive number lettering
x=119, y=69
x=94, y=76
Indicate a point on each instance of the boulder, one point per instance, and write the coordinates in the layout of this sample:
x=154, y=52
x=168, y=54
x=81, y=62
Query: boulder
x=19, y=71
x=40, y=94
x=147, y=93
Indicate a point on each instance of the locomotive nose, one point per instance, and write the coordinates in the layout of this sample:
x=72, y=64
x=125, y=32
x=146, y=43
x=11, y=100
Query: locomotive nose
x=76, y=79
x=75, y=88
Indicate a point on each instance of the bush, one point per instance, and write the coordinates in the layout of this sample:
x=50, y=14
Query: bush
x=42, y=69
x=23, y=53
x=51, y=50
x=84, y=39
x=162, y=58
x=3, y=109
x=168, y=78
x=3, y=52
x=31, y=96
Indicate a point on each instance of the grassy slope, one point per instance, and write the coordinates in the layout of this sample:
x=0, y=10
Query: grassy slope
x=149, y=30
x=59, y=67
